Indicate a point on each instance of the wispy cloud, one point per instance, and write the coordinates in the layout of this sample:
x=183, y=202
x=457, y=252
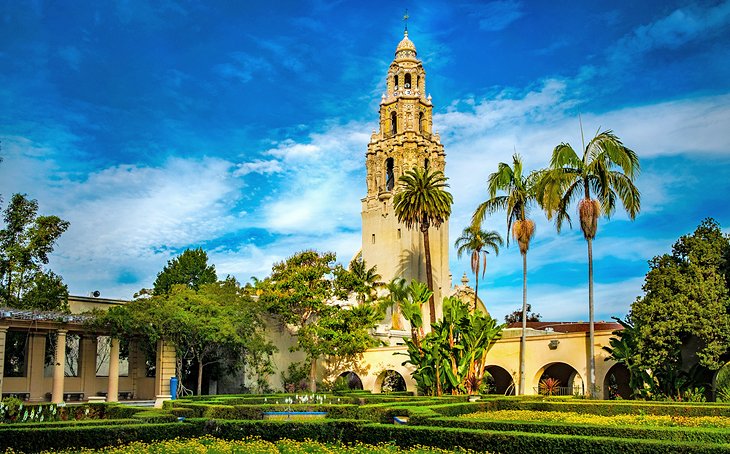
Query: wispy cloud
x=243, y=67
x=680, y=27
x=497, y=15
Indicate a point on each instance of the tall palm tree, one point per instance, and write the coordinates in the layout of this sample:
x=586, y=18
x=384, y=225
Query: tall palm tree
x=476, y=241
x=422, y=200
x=519, y=195
x=604, y=173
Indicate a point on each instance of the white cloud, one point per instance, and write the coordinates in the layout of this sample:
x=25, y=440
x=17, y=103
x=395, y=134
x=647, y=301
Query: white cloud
x=258, y=166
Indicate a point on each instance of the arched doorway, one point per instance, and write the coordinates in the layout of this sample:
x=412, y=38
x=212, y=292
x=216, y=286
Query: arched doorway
x=390, y=381
x=500, y=381
x=569, y=381
x=352, y=380
x=616, y=384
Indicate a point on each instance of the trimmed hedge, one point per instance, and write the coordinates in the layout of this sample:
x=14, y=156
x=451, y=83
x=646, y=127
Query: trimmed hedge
x=693, y=434
x=35, y=439
x=447, y=438
x=519, y=442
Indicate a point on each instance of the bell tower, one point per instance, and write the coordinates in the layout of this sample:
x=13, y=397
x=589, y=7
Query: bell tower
x=405, y=140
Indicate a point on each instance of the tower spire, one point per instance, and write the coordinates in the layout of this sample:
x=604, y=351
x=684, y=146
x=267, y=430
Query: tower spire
x=405, y=20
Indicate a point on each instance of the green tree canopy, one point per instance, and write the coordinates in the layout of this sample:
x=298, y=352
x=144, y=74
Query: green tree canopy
x=26, y=241
x=301, y=292
x=686, y=305
x=218, y=322
x=189, y=268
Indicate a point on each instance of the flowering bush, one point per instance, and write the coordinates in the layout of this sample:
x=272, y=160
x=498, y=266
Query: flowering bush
x=617, y=420
x=252, y=445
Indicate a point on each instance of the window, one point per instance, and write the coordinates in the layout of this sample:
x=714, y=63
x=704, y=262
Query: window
x=425, y=163
x=373, y=238
x=103, y=349
x=399, y=234
x=395, y=81
x=407, y=83
x=389, y=176
x=73, y=355
x=393, y=123
x=16, y=347
x=420, y=122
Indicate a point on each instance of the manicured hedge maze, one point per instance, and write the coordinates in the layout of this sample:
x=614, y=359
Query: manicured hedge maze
x=444, y=422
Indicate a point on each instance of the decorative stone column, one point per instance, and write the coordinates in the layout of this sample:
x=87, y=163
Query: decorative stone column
x=59, y=367
x=112, y=394
x=88, y=365
x=165, y=369
x=3, y=336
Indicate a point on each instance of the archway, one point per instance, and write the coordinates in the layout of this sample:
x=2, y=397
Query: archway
x=569, y=381
x=500, y=381
x=352, y=380
x=390, y=381
x=616, y=383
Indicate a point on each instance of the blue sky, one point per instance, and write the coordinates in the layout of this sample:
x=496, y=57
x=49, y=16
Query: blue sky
x=241, y=127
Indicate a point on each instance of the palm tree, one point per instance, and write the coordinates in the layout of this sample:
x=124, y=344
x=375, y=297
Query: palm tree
x=397, y=292
x=367, y=280
x=421, y=200
x=519, y=195
x=604, y=173
x=476, y=241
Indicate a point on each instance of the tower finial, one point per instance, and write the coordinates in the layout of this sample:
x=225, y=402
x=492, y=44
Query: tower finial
x=405, y=19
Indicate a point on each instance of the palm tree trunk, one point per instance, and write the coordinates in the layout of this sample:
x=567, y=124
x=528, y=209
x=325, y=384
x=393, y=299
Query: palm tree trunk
x=523, y=338
x=476, y=290
x=591, y=330
x=429, y=277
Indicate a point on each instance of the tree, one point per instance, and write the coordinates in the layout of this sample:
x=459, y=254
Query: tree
x=25, y=244
x=421, y=200
x=623, y=349
x=604, y=173
x=476, y=241
x=218, y=322
x=299, y=292
x=516, y=316
x=189, y=268
x=397, y=293
x=685, y=311
x=452, y=356
x=358, y=279
x=519, y=196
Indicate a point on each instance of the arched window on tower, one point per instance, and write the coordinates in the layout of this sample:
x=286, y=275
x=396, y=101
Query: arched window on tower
x=395, y=81
x=418, y=82
x=393, y=123
x=407, y=83
x=425, y=163
x=389, y=175
x=420, y=122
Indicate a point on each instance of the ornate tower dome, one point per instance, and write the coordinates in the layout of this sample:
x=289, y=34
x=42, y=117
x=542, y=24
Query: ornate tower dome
x=406, y=49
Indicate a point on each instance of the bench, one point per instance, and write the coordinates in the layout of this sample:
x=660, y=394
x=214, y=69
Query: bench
x=68, y=396
x=19, y=395
x=126, y=395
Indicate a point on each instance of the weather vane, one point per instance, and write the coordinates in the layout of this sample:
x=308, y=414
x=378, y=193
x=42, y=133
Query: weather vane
x=405, y=19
